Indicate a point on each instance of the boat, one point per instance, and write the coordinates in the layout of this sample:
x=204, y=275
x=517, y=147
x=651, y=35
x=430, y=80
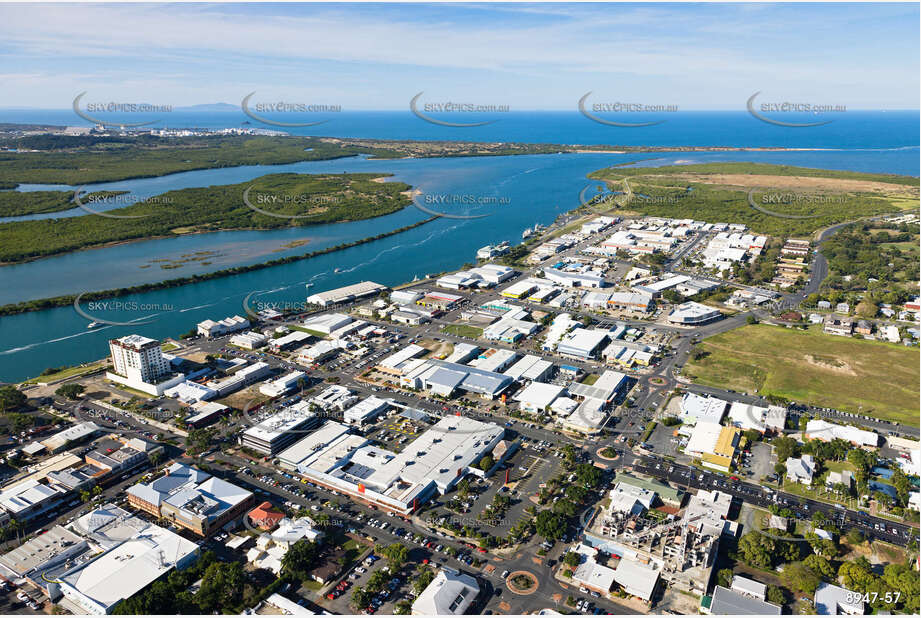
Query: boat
x=93, y=325
x=526, y=233
x=308, y=286
x=337, y=270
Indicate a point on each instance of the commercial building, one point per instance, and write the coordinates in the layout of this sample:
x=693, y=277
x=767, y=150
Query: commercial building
x=444, y=378
x=347, y=293
x=204, y=413
x=190, y=392
x=327, y=322
x=71, y=436
x=192, y=499
x=138, y=363
x=450, y=594
x=249, y=341
x=242, y=378
x=529, y=368
x=696, y=408
x=760, y=418
x=639, y=580
x=734, y=603
x=582, y=343
x=817, y=429
x=282, y=385
x=574, y=279
x=537, y=397
x=127, y=554
x=365, y=410
x=317, y=353
x=276, y=432
x=291, y=340
x=401, y=482
x=210, y=328
x=715, y=444
x=690, y=313
x=831, y=600
x=333, y=398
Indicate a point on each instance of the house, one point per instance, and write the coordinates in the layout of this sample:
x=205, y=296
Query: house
x=844, y=478
x=800, y=470
x=451, y=593
x=838, y=325
x=863, y=328
x=264, y=516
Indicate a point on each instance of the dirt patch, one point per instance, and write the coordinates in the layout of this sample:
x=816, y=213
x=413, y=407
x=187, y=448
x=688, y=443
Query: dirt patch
x=844, y=185
x=830, y=363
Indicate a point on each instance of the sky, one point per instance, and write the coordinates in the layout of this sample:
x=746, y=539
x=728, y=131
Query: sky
x=524, y=56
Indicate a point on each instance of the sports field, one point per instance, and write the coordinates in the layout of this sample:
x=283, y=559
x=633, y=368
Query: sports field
x=870, y=377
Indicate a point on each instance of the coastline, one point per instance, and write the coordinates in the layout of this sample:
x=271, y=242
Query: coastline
x=41, y=304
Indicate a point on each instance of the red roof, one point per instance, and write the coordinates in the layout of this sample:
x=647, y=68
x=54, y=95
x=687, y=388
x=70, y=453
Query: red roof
x=265, y=516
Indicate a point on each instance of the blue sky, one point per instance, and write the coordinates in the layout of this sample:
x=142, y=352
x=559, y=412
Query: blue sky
x=526, y=56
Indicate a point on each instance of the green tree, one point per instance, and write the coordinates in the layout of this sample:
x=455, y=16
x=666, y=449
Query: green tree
x=486, y=463
x=396, y=555
x=70, y=391
x=300, y=559
x=221, y=587
x=784, y=447
x=820, y=566
x=724, y=578
x=572, y=559
x=361, y=598
x=775, y=595
x=756, y=550
x=550, y=525
x=797, y=576
x=11, y=399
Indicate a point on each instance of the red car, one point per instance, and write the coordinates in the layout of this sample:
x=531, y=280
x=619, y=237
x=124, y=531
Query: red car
x=733, y=478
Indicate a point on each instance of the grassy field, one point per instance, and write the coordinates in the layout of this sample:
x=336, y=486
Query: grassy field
x=70, y=372
x=462, y=330
x=875, y=378
x=720, y=192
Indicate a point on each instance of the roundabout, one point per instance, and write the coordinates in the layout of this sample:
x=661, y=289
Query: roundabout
x=522, y=582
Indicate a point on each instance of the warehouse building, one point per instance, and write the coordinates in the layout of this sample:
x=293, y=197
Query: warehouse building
x=582, y=343
x=347, y=293
x=282, y=385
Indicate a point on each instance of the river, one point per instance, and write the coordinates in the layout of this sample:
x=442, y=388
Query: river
x=521, y=191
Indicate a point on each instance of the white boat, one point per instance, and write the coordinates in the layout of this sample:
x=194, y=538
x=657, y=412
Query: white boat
x=526, y=233
x=93, y=325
